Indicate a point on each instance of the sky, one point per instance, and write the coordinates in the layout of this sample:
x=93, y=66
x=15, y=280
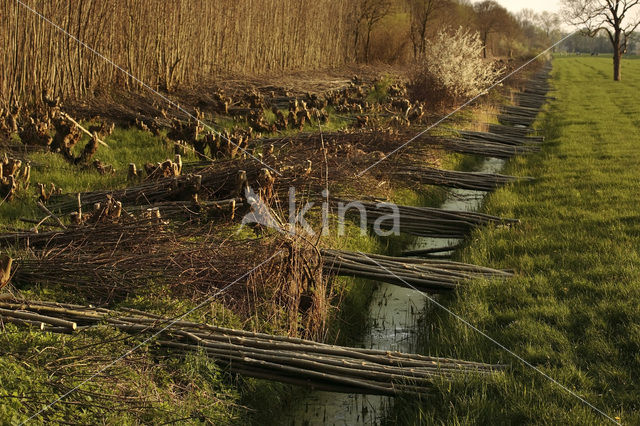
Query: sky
x=537, y=5
x=515, y=6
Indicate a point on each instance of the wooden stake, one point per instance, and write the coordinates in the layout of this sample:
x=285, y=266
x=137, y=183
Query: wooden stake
x=68, y=117
x=47, y=211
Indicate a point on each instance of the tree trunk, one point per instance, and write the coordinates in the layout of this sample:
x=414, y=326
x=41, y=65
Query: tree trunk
x=366, y=47
x=484, y=45
x=617, y=55
x=616, y=64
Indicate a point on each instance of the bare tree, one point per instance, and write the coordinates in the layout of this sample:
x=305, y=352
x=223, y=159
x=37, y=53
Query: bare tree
x=527, y=16
x=618, y=18
x=372, y=12
x=422, y=11
x=549, y=22
x=527, y=20
x=491, y=18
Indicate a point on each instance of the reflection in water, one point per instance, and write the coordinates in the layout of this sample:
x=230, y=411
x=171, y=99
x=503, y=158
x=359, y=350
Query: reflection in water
x=393, y=315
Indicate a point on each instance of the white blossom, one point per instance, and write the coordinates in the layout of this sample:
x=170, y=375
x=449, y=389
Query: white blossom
x=454, y=66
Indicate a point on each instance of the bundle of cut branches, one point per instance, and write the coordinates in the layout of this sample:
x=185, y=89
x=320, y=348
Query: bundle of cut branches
x=423, y=221
x=531, y=100
x=454, y=179
x=102, y=270
x=516, y=120
x=361, y=147
x=517, y=132
x=520, y=110
x=432, y=276
x=110, y=262
x=367, y=146
x=486, y=148
x=497, y=138
x=288, y=360
x=223, y=180
x=300, y=162
x=538, y=87
x=108, y=232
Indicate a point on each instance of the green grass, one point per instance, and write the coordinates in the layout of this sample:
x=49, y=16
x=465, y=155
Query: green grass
x=125, y=146
x=190, y=388
x=573, y=310
x=379, y=93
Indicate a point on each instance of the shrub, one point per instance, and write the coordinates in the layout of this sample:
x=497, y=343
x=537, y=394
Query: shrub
x=380, y=91
x=453, y=69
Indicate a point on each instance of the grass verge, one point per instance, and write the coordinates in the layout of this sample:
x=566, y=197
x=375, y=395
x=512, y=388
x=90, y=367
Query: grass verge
x=574, y=308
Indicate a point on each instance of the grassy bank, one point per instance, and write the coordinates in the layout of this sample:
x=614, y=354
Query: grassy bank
x=574, y=308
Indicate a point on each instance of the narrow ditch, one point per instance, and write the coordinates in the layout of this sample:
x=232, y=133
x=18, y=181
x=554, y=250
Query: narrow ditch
x=393, y=317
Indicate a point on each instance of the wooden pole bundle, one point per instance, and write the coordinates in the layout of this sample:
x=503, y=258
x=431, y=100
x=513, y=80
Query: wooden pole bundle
x=193, y=208
x=111, y=261
x=454, y=179
x=528, y=106
x=433, y=276
x=539, y=88
x=425, y=221
x=135, y=229
x=146, y=193
x=534, y=94
x=515, y=120
x=520, y=111
x=516, y=132
x=222, y=181
x=497, y=138
x=110, y=232
x=284, y=359
x=486, y=148
x=531, y=100
x=435, y=251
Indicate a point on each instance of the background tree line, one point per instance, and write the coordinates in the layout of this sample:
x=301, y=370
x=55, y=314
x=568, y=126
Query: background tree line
x=182, y=42
x=597, y=45
x=400, y=30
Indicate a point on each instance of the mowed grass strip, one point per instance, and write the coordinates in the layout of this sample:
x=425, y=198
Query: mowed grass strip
x=574, y=308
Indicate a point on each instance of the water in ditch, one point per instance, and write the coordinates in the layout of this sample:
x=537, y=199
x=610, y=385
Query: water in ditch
x=393, y=315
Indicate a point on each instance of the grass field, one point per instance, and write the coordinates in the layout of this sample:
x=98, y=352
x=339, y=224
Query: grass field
x=574, y=308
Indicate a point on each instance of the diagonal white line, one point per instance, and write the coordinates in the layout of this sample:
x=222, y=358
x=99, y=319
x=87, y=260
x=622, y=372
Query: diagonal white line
x=437, y=123
x=142, y=83
x=495, y=342
x=147, y=340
